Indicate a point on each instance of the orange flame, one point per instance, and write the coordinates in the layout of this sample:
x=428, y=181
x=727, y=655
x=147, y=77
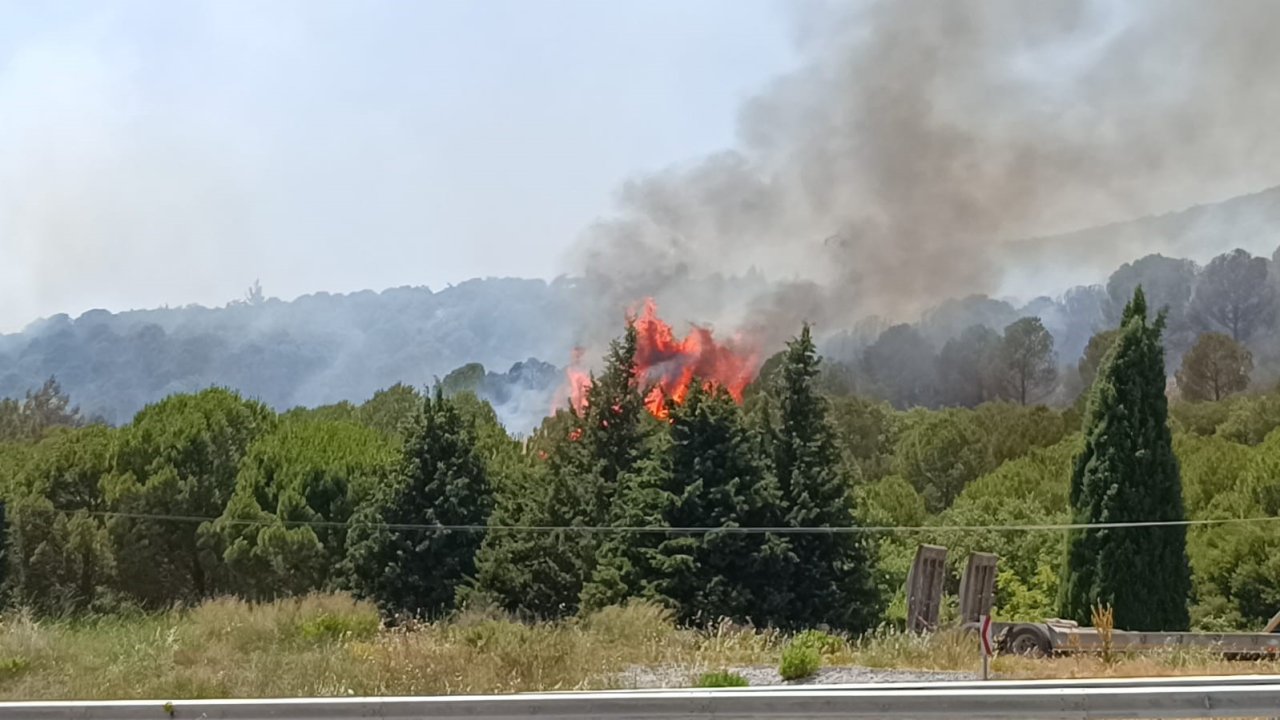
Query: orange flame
x=667, y=364
x=578, y=382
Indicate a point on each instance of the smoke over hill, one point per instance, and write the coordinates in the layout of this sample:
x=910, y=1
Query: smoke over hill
x=893, y=176
x=918, y=138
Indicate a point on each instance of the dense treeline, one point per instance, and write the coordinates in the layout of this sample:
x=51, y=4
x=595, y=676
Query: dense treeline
x=210, y=493
x=422, y=503
x=977, y=349
x=327, y=348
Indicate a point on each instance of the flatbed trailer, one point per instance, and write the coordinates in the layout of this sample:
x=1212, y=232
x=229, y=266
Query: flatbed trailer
x=1062, y=637
x=1053, y=637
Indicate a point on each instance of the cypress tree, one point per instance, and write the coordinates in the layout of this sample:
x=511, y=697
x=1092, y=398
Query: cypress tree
x=441, y=481
x=831, y=580
x=718, y=478
x=1127, y=472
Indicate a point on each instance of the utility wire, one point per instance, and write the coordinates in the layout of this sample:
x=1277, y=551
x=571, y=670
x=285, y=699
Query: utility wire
x=649, y=529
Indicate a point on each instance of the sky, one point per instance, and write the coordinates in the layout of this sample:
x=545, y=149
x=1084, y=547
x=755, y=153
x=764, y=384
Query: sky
x=164, y=153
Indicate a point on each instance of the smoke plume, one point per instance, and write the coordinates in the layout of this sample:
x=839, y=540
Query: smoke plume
x=917, y=138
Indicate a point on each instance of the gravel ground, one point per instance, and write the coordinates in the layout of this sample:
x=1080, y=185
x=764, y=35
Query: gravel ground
x=676, y=676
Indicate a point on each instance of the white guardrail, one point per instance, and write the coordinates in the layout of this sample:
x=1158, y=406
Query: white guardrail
x=1248, y=696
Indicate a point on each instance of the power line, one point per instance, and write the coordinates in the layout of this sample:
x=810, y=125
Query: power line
x=600, y=529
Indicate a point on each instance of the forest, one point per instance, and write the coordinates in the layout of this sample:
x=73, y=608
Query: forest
x=329, y=348
x=422, y=502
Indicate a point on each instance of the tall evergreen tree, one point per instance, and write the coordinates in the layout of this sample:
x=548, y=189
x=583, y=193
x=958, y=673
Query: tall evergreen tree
x=539, y=575
x=1127, y=472
x=582, y=475
x=442, y=481
x=624, y=566
x=718, y=478
x=617, y=489
x=612, y=426
x=831, y=578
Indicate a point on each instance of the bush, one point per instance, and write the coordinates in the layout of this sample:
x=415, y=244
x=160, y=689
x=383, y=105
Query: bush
x=799, y=661
x=494, y=635
x=311, y=619
x=721, y=678
x=824, y=643
x=328, y=627
x=14, y=666
x=635, y=624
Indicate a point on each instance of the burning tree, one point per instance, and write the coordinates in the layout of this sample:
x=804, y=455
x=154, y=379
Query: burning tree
x=666, y=365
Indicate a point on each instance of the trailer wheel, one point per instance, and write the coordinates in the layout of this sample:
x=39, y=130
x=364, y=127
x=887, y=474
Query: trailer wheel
x=1027, y=640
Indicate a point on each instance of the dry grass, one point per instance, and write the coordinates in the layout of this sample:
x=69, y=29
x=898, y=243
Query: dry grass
x=332, y=645
x=1104, y=621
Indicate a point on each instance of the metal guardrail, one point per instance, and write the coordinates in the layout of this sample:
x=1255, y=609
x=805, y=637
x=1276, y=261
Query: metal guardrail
x=1138, y=682
x=1140, y=698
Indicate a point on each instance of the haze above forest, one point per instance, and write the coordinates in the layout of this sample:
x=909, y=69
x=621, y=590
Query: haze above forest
x=883, y=174
x=326, y=348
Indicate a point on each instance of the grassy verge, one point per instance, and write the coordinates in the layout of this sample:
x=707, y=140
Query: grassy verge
x=331, y=645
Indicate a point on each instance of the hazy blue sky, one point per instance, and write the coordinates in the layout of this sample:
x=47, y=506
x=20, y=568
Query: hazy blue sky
x=172, y=152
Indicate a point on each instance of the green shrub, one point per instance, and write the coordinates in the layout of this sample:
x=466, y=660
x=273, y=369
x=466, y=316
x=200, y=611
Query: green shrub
x=494, y=635
x=332, y=627
x=246, y=626
x=14, y=666
x=799, y=661
x=635, y=624
x=721, y=678
x=824, y=643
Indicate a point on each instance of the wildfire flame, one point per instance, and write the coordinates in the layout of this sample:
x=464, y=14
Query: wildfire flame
x=577, y=381
x=667, y=365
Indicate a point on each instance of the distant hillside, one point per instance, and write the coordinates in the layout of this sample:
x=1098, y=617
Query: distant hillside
x=326, y=348
x=1251, y=222
x=318, y=349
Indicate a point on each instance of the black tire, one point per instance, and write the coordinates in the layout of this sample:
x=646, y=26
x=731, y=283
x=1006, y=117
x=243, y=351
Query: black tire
x=1028, y=641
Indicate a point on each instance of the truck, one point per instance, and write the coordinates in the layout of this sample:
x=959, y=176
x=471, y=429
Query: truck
x=924, y=590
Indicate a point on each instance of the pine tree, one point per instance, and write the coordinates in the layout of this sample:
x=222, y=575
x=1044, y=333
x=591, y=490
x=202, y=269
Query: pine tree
x=717, y=477
x=180, y=456
x=539, y=575
x=442, y=481
x=1215, y=367
x=284, y=528
x=1127, y=472
x=624, y=566
x=616, y=487
x=831, y=580
x=613, y=430
x=59, y=553
x=583, y=475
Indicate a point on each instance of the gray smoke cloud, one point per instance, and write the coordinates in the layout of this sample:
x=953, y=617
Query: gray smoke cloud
x=918, y=138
